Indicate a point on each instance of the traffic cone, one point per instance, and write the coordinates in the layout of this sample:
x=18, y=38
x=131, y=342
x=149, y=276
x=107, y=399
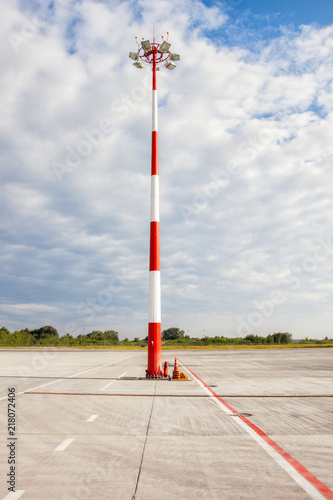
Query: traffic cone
x=175, y=373
x=165, y=372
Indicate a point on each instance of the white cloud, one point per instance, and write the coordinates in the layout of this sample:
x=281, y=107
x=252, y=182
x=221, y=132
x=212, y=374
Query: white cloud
x=245, y=164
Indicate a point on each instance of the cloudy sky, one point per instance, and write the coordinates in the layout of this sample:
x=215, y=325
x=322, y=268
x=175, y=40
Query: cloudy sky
x=246, y=145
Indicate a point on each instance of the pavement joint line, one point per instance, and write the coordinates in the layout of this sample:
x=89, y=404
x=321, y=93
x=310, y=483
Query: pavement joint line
x=64, y=444
x=14, y=495
x=230, y=396
x=144, y=447
x=91, y=418
x=70, y=376
x=41, y=377
x=110, y=383
x=303, y=477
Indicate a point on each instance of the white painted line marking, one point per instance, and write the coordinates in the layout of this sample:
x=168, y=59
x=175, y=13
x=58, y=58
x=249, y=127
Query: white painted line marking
x=14, y=495
x=102, y=366
x=70, y=376
x=64, y=444
x=92, y=418
x=110, y=383
x=107, y=385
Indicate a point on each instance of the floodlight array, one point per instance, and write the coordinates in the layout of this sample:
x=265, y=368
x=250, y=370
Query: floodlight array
x=150, y=51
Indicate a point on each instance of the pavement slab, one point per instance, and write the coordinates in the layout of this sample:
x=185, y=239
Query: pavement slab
x=88, y=425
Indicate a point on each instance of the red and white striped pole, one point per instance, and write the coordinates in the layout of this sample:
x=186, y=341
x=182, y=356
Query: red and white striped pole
x=154, y=319
x=154, y=53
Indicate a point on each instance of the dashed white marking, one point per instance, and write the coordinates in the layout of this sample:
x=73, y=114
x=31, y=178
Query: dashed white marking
x=92, y=418
x=64, y=444
x=107, y=385
x=110, y=383
x=107, y=364
x=14, y=495
x=70, y=376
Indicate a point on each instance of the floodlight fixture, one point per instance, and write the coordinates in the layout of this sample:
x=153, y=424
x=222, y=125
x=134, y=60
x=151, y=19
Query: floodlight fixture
x=169, y=65
x=154, y=53
x=138, y=64
x=134, y=56
x=146, y=45
x=164, y=47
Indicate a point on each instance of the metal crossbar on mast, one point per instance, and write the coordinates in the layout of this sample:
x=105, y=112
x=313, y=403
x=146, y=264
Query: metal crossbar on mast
x=154, y=53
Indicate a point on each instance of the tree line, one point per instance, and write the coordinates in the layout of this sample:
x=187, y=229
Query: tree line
x=176, y=335
x=48, y=336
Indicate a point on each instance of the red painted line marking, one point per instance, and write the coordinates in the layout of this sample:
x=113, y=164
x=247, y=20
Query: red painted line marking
x=307, y=475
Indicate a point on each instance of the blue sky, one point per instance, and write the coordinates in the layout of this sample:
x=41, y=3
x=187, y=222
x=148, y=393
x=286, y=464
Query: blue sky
x=245, y=130
x=293, y=11
x=282, y=12
x=253, y=23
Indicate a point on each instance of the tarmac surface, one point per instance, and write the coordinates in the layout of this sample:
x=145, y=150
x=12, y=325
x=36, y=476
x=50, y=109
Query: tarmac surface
x=250, y=424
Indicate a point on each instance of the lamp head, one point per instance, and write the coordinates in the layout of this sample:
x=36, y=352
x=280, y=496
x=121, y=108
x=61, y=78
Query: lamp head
x=138, y=64
x=146, y=45
x=169, y=65
x=164, y=47
x=134, y=56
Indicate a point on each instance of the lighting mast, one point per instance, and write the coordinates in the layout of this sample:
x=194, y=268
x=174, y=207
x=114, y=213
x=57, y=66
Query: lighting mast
x=154, y=53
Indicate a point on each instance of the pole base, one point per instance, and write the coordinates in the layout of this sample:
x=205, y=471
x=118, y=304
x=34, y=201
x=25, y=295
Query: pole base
x=159, y=374
x=154, y=368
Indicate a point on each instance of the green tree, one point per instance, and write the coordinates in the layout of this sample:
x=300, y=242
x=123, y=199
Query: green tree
x=286, y=338
x=96, y=335
x=5, y=337
x=111, y=336
x=282, y=338
x=67, y=339
x=173, y=334
x=23, y=337
x=44, y=333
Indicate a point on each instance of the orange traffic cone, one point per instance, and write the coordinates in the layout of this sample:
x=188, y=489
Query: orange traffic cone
x=175, y=373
